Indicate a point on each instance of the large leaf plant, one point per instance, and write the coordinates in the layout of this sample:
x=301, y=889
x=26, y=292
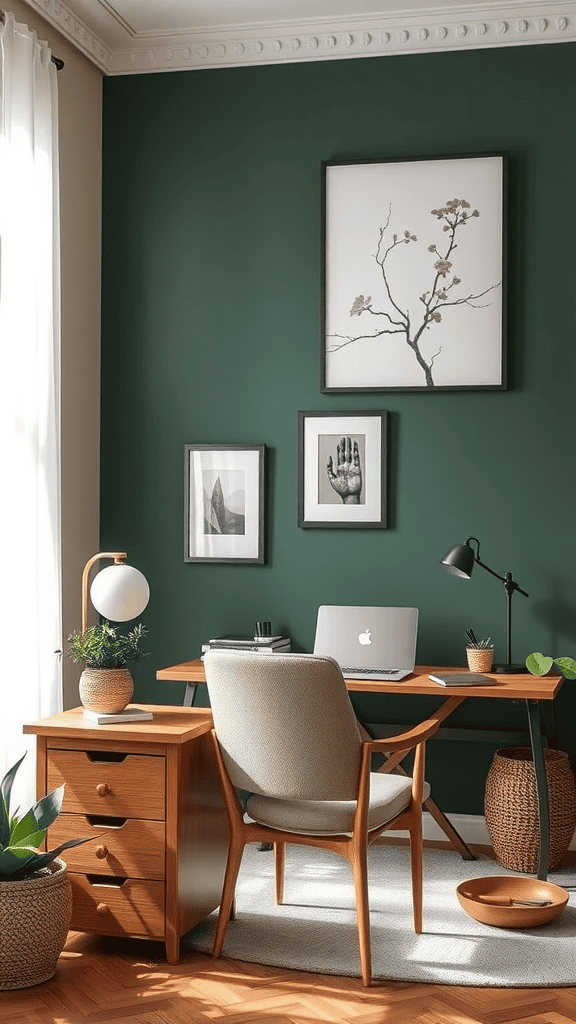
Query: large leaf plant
x=21, y=836
x=539, y=665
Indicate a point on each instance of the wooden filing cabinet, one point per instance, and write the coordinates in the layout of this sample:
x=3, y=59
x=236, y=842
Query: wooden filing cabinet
x=148, y=793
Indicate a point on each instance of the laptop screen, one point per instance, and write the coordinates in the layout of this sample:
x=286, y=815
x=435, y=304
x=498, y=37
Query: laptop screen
x=361, y=637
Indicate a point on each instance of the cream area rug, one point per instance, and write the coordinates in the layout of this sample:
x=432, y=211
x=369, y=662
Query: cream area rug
x=315, y=929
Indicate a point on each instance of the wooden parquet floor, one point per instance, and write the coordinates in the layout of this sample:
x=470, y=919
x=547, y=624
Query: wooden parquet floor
x=103, y=980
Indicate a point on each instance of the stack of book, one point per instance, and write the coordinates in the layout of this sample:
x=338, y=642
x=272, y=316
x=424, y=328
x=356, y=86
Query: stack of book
x=264, y=644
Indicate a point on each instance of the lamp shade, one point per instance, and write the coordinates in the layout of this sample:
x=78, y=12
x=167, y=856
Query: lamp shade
x=460, y=560
x=120, y=592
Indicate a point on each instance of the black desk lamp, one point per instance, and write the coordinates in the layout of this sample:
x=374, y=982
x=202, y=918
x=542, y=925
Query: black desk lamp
x=460, y=561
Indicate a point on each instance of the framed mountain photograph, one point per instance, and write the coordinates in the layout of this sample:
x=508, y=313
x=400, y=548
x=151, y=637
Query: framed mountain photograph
x=224, y=503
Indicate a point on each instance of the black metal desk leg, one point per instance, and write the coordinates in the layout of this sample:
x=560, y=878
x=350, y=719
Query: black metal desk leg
x=189, y=695
x=535, y=725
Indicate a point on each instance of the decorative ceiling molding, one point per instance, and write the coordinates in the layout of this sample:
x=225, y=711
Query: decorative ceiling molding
x=511, y=24
x=74, y=30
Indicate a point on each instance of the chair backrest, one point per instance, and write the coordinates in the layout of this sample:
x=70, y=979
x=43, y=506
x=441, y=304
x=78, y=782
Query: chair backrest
x=285, y=724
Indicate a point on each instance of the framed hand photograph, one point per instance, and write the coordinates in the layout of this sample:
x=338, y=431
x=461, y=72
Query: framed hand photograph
x=342, y=461
x=413, y=274
x=224, y=503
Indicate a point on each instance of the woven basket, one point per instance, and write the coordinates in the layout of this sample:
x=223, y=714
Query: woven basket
x=107, y=690
x=480, y=659
x=511, y=807
x=35, y=917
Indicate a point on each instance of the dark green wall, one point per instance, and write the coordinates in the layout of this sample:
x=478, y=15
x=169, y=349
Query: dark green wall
x=211, y=274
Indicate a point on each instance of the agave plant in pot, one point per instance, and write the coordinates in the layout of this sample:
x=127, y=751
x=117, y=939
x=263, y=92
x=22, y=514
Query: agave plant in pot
x=106, y=684
x=35, y=892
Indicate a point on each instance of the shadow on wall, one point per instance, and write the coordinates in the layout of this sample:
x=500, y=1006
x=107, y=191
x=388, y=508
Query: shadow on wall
x=559, y=617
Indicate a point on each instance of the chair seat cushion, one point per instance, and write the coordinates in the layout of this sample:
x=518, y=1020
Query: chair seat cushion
x=389, y=795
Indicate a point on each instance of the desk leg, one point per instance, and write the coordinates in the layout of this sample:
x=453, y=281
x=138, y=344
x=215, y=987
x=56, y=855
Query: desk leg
x=189, y=695
x=432, y=808
x=535, y=725
x=444, y=823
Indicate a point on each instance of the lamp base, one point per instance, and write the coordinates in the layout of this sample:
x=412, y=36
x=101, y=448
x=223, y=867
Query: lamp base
x=516, y=669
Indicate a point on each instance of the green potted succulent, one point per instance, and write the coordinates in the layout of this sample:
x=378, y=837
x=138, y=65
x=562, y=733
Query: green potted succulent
x=106, y=684
x=540, y=664
x=35, y=892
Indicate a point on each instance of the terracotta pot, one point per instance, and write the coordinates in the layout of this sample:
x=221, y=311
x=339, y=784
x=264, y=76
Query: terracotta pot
x=107, y=690
x=35, y=917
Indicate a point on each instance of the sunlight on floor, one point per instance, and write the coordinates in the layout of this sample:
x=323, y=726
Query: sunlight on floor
x=433, y=949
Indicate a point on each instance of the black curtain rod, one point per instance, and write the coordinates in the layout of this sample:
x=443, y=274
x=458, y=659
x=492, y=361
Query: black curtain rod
x=55, y=60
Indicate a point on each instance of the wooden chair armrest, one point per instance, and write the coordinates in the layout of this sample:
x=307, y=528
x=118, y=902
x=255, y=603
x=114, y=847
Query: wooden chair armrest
x=404, y=740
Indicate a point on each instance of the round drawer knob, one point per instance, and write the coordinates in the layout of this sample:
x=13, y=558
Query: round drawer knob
x=102, y=908
x=102, y=789
x=101, y=852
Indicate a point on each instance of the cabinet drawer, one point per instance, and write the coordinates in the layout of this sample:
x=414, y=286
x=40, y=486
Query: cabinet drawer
x=130, y=788
x=134, y=908
x=121, y=846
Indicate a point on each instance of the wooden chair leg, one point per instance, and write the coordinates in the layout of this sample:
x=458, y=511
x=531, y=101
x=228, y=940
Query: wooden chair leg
x=235, y=852
x=279, y=862
x=416, y=870
x=360, y=873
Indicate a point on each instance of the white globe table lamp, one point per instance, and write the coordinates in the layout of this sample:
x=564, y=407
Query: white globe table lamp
x=119, y=592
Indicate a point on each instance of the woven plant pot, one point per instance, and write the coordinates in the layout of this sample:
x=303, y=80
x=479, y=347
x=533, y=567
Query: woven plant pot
x=107, y=690
x=480, y=660
x=511, y=807
x=35, y=917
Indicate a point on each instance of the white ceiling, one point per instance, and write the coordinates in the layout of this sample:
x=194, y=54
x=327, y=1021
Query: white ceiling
x=135, y=36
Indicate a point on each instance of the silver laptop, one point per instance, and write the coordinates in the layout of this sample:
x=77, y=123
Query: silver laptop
x=368, y=642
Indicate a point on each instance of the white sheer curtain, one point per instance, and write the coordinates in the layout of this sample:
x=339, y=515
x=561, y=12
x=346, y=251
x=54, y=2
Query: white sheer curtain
x=30, y=559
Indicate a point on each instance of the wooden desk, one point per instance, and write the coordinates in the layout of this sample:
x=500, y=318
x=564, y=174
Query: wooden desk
x=538, y=693
x=149, y=793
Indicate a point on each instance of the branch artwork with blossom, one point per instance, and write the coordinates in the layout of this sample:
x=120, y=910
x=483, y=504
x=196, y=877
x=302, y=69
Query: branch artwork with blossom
x=443, y=294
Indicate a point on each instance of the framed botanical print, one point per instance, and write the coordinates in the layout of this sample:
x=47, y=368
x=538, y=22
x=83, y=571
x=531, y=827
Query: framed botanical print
x=224, y=503
x=342, y=461
x=413, y=274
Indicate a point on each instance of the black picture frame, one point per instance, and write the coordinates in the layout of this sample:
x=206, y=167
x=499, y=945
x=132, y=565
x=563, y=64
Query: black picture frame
x=224, y=503
x=413, y=282
x=342, y=455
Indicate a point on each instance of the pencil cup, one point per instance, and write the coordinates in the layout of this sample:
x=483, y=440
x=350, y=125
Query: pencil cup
x=480, y=660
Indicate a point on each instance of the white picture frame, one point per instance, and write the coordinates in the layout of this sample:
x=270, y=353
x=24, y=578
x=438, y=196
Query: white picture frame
x=224, y=503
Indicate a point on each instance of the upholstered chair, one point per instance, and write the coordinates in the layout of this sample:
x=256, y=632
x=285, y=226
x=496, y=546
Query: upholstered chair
x=285, y=731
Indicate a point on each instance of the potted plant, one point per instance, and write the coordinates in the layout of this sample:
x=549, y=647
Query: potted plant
x=35, y=892
x=106, y=684
x=540, y=664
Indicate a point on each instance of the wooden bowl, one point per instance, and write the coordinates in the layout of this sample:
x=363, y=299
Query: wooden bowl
x=492, y=900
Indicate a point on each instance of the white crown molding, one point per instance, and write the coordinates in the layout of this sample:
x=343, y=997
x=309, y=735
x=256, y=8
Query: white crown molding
x=74, y=30
x=511, y=24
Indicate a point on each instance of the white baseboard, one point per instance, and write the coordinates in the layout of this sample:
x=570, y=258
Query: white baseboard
x=472, y=828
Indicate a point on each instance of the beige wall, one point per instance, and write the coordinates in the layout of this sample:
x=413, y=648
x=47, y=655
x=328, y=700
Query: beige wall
x=80, y=116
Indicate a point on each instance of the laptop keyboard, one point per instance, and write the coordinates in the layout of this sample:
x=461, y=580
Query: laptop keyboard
x=372, y=671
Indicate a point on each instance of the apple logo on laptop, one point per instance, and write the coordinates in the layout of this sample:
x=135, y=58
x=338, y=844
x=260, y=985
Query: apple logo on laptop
x=364, y=638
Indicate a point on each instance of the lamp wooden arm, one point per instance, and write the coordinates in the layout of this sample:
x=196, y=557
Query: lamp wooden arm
x=118, y=556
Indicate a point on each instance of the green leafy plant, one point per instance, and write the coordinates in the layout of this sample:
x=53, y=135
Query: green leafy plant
x=475, y=644
x=22, y=836
x=101, y=646
x=539, y=664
